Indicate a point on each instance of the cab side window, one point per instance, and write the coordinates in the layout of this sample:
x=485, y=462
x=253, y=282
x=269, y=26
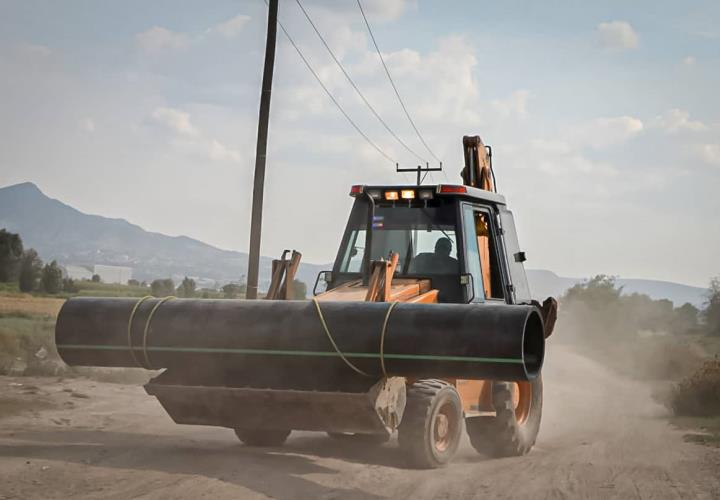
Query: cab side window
x=489, y=257
x=482, y=253
x=472, y=253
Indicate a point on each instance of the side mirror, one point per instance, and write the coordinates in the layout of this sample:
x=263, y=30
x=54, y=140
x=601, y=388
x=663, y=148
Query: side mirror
x=468, y=281
x=324, y=278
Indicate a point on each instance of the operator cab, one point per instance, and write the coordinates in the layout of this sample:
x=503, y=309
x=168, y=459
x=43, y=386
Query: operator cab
x=460, y=238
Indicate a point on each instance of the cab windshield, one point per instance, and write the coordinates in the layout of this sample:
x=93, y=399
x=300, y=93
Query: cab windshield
x=423, y=236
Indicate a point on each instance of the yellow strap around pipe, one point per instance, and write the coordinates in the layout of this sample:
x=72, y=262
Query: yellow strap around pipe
x=129, y=329
x=342, y=356
x=332, y=341
x=148, y=365
x=382, y=338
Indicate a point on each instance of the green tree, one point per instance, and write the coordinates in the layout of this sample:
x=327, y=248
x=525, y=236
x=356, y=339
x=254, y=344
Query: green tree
x=298, y=290
x=133, y=282
x=162, y=288
x=11, y=251
x=96, y=278
x=186, y=288
x=686, y=318
x=51, y=279
x=233, y=291
x=30, y=269
x=712, y=309
x=69, y=286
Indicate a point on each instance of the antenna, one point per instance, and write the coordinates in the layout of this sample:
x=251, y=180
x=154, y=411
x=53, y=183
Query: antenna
x=420, y=169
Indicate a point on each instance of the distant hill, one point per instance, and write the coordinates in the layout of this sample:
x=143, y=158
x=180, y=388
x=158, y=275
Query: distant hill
x=59, y=231
x=546, y=283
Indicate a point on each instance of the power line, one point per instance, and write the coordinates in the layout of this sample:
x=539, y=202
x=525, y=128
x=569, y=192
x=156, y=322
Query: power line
x=354, y=86
x=387, y=72
x=332, y=98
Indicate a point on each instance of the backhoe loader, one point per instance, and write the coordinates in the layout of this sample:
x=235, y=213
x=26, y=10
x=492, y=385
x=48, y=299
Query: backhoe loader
x=424, y=325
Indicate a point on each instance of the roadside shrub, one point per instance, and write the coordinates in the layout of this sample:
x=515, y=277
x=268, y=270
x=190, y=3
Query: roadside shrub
x=30, y=270
x=69, y=286
x=51, y=280
x=186, y=288
x=699, y=394
x=233, y=291
x=162, y=288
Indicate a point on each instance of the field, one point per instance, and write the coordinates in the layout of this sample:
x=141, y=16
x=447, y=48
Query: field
x=89, y=288
x=29, y=305
x=27, y=339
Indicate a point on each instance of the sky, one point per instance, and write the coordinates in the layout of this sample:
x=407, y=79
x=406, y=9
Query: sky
x=604, y=118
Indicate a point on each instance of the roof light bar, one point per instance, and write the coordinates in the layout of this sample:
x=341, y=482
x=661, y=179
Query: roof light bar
x=392, y=195
x=425, y=194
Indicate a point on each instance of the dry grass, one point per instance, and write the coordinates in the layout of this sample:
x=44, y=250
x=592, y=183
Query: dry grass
x=27, y=344
x=27, y=347
x=23, y=303
x=699, y=394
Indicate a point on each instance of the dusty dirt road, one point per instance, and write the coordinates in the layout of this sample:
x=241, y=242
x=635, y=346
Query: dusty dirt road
x=602, y=437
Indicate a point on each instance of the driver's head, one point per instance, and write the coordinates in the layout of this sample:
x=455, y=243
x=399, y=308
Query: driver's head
x=443, y=246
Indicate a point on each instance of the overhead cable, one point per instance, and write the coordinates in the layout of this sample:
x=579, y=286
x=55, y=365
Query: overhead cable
x=333, y=99
x=392, y=82
x=357, y=89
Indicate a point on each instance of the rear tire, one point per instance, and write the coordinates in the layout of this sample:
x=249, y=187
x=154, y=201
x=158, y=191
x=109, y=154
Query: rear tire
x=262, y=437
x=514, y=429
x=370, y=439
x=429, y=433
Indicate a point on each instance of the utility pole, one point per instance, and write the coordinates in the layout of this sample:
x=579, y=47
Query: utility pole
x=261, y=153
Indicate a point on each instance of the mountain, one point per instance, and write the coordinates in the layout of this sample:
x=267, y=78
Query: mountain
x=59, y=231
x=546, y=283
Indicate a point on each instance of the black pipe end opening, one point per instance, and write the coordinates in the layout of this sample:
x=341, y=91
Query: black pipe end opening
x=533, y=345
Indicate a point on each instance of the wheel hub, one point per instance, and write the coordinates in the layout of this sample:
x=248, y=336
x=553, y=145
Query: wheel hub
x=443, y=429
x=522, y=400
x=442, y=425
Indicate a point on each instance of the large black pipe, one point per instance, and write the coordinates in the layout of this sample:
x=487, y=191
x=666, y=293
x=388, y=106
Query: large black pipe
x=257, y=343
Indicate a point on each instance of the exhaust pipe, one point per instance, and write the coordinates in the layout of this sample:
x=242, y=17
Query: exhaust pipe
x=266, y=343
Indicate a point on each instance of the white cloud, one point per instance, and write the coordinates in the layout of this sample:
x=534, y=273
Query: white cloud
x=158, y=39
x=551, y=146
x=232, y=27
x=617, y=35
x=376, y=10
x=187, y=138
x=514, y=105
x=601, y=133
x=174, y=119
x=676, y=120
x=689, y=61
x=711, y=154
x=219, y=152
x=386, y=10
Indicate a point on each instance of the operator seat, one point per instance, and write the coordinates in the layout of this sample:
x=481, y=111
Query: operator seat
x=439, y=266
